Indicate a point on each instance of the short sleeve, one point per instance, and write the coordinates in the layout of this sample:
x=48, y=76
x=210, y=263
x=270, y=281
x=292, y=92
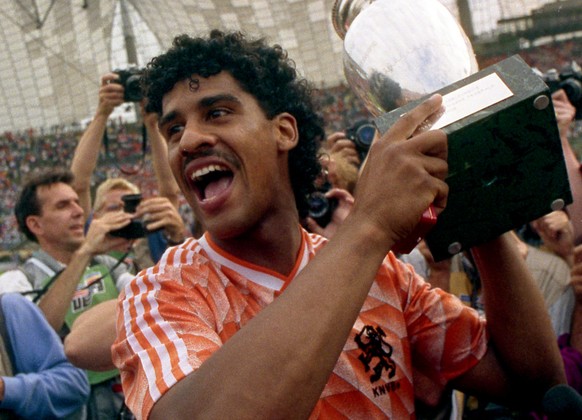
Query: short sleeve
x=14, y=281
x=166, y=329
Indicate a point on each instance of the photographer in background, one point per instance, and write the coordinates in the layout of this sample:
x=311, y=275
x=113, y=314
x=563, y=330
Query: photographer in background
x=340, y=158
x=159, y=214
x=566, y=88
x=565, y=115
x=156, y=222
x=70, y=273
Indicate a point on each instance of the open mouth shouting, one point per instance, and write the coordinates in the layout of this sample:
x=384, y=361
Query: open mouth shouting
x=211, y=181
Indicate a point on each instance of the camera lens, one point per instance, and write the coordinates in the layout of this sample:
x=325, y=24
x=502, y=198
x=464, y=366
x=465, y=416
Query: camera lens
x=133, y=91
x=573, y=89
x=130, y=202
x=136, y=228
x=318, y=205
x=365, y=135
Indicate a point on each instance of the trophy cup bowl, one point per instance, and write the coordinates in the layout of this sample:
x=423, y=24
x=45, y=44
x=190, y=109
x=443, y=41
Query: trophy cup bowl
x=396, y=51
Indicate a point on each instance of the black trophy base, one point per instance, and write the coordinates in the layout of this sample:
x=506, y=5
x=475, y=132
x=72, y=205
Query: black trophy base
x=506, y=166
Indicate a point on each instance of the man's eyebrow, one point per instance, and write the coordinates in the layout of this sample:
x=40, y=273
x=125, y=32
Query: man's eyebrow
x=211, y=100
x=164, y=119
x=65, y=201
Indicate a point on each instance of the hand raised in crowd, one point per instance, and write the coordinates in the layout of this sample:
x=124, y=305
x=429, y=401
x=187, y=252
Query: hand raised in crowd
x=110, y=94
x=522, y=247
x=565, y=112
x=345, y=202
x=557, y=232
x=99, y=241
x=339, y=143
x=159, y=213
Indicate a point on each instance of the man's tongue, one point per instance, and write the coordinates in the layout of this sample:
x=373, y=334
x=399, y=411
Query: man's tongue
x=216, y=187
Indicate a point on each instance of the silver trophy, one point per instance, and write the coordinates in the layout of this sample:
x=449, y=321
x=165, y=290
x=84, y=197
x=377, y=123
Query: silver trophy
x=396, y=51
x=506, y=166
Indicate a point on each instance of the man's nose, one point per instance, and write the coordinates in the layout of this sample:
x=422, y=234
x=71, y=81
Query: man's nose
x=196, y=136
x=78, y=210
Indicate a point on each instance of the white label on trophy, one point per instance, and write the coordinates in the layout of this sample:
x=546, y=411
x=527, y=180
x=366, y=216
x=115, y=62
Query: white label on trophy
x=472, y=98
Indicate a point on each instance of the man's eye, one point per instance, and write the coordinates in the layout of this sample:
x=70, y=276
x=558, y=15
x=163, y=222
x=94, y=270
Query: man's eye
x=176, y=128
x=114, y=207
x=217, y=113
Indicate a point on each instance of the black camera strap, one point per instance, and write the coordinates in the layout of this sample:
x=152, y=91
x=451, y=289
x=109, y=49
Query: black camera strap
x=125, y=171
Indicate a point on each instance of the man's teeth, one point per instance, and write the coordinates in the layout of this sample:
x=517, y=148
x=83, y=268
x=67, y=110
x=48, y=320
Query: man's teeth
x=205, y=171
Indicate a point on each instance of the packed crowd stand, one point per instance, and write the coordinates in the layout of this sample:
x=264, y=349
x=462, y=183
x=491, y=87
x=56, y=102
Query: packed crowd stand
x=121, y=172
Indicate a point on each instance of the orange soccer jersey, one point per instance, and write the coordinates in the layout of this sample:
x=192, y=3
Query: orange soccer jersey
x=408, y=340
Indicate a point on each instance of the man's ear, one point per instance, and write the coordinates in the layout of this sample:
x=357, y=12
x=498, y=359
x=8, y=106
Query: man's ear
x=287, y=133
x=34, y=225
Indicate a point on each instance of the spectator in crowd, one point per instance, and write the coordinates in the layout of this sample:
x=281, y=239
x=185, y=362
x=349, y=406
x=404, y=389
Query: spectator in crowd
x=258, y=317
x=339, y=172
x=344, y=161
x=36, y=379
x=565, y=113
x=70, y=273
x=160, y=214
x=550, y=263
x=340, y=160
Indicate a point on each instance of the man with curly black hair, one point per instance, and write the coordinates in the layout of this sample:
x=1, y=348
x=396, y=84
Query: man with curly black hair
x=276, y=89
x=259, y=318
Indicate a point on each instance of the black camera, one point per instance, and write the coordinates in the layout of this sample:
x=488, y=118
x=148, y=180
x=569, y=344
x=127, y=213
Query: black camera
x=321, y=208
x=130, y=79
x=569, y=79
x=362, y=134
x=136, y=228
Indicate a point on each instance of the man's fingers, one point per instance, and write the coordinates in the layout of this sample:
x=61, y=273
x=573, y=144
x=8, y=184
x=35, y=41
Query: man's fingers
x=333, y=138
x=433, y=143
x=410, y=122
x=113, y=220
x=559, y=95
x=428, y=123
x=340, y=194
x=313, y=226
x=440, y=200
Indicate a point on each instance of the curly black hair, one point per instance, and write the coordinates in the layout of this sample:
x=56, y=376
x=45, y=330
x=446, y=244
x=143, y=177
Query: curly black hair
x=263, y=71
x=28, y=203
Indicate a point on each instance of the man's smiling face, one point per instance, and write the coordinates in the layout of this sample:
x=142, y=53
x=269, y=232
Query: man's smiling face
x=228, y=158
